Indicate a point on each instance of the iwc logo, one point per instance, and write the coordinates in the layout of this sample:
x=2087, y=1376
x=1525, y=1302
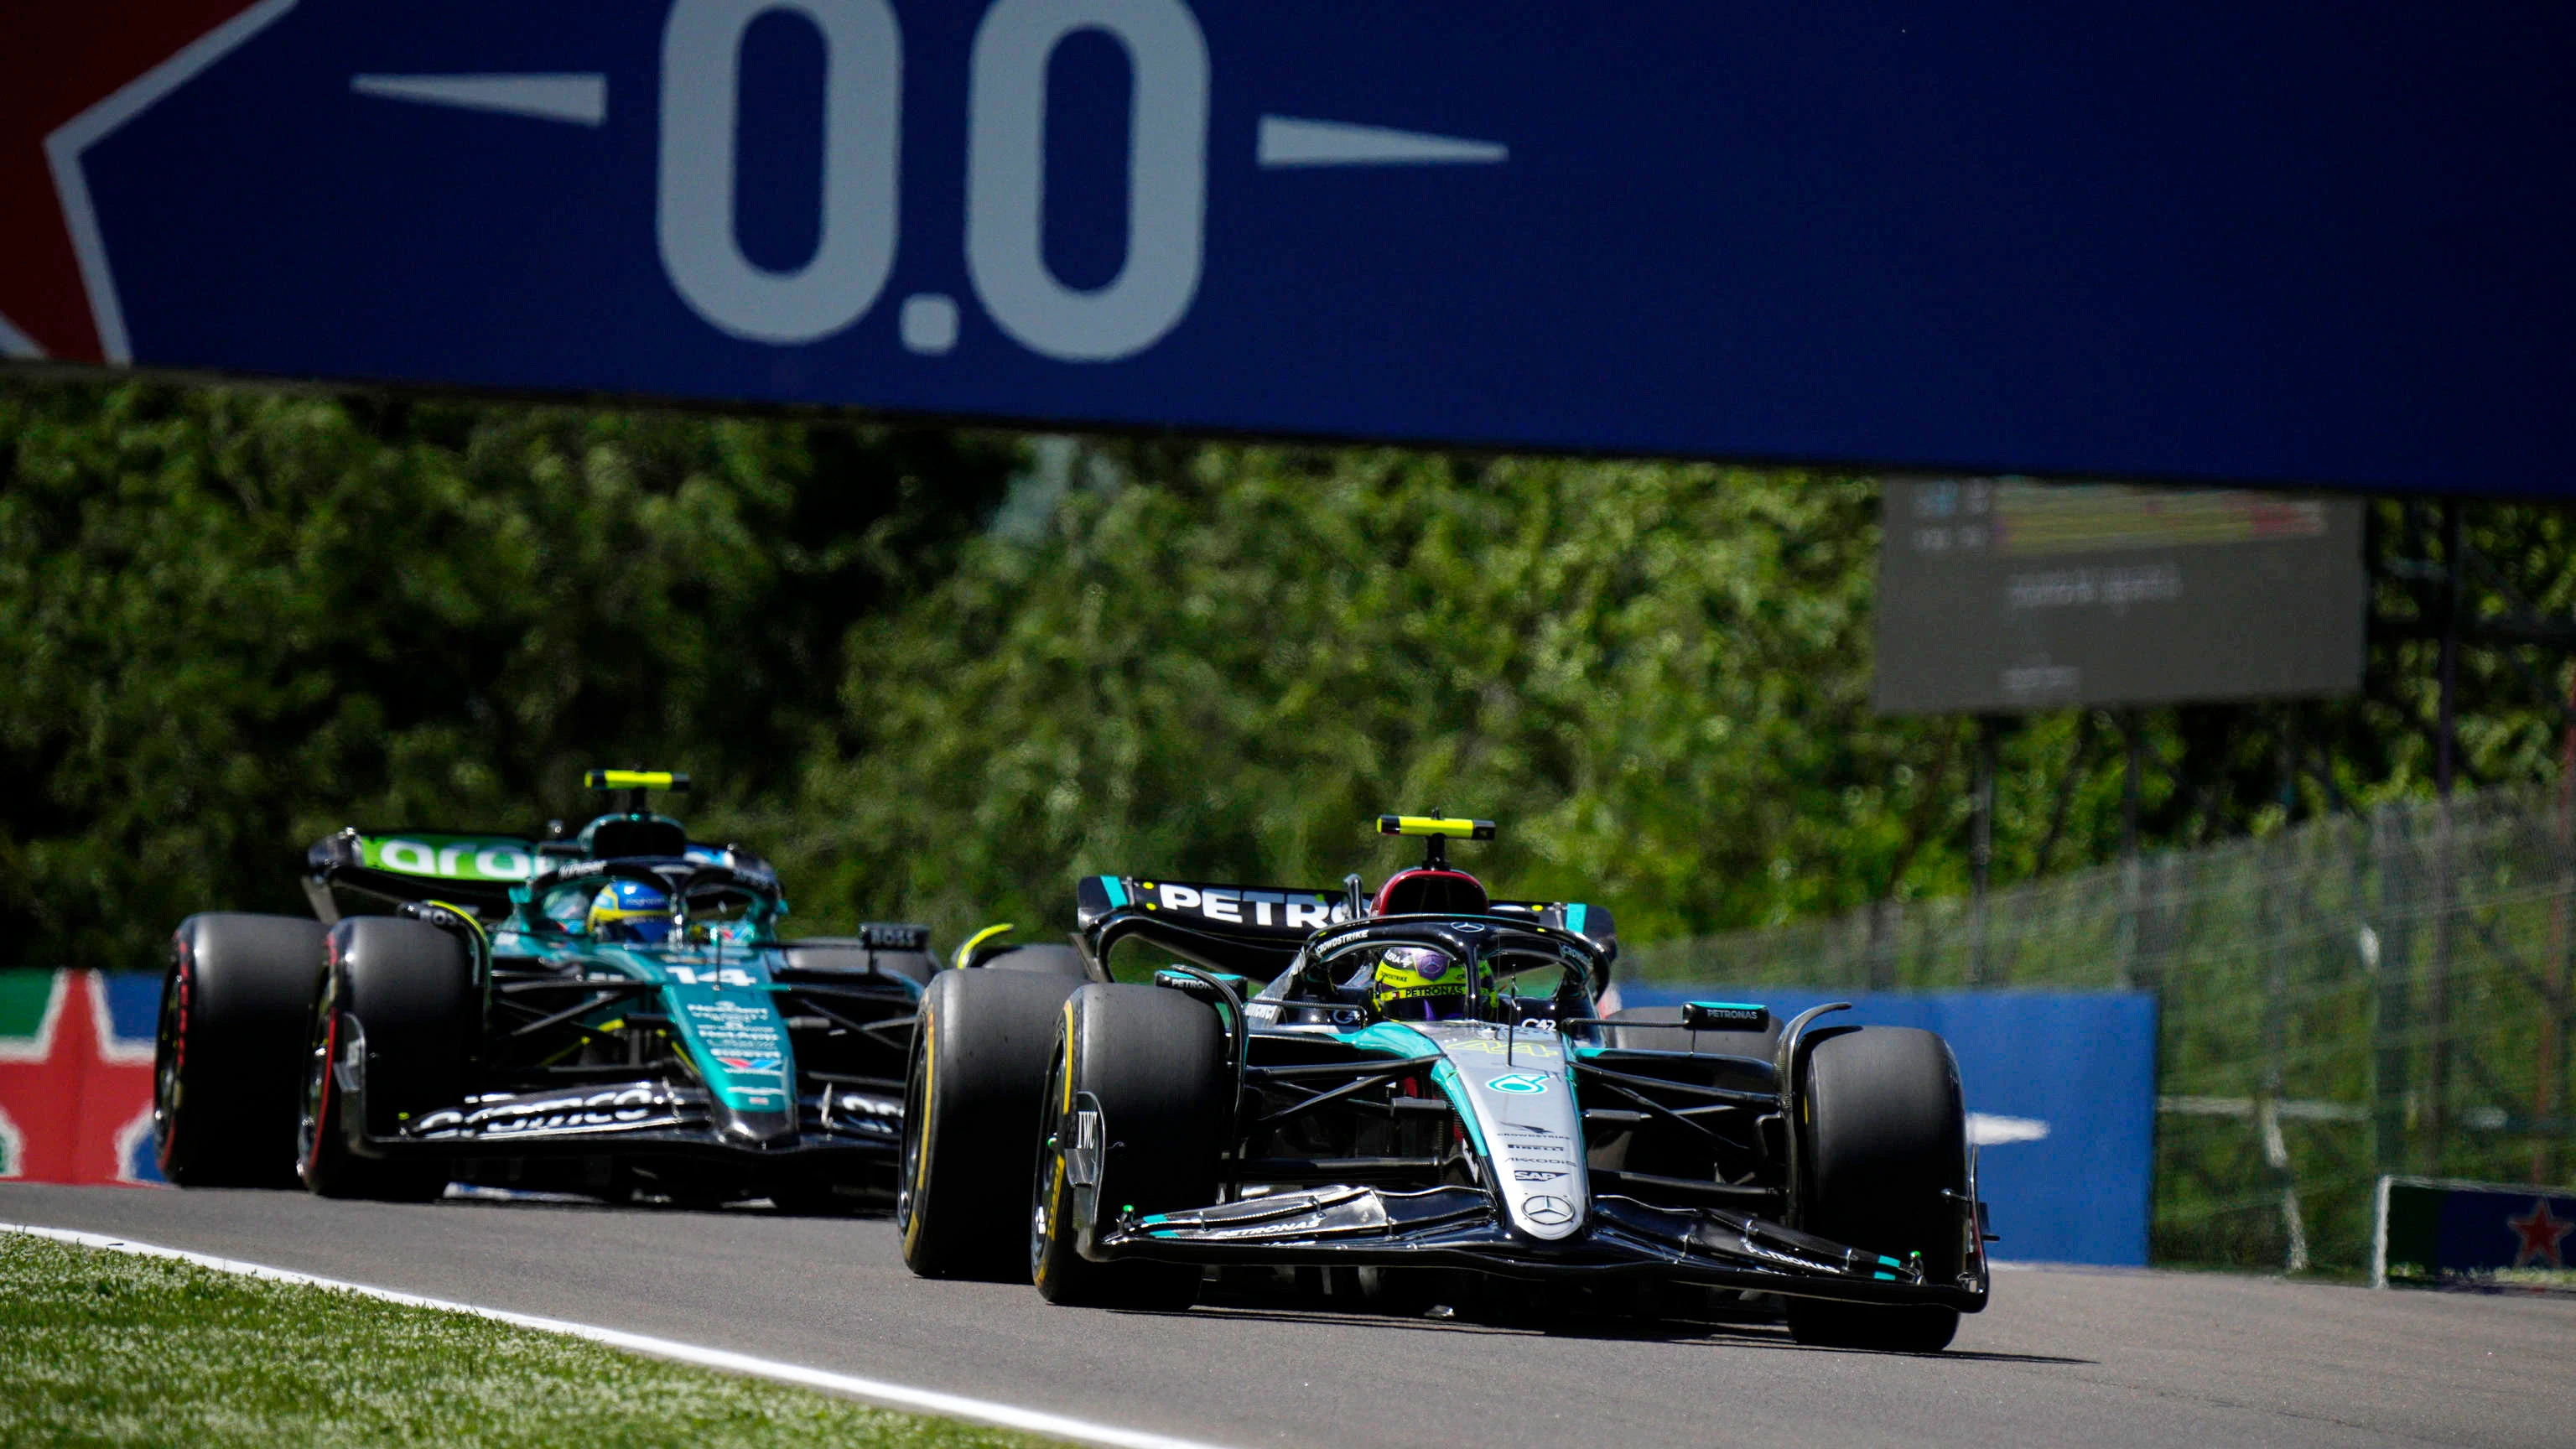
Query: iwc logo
x=1528, y=1084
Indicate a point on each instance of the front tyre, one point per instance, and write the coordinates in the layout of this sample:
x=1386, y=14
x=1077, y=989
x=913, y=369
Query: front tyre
x=1138, y=1099
x=1886, y=1145
x=393, y=1024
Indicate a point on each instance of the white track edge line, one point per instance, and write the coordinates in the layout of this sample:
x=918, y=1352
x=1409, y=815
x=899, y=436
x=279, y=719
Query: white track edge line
x=891, y=1395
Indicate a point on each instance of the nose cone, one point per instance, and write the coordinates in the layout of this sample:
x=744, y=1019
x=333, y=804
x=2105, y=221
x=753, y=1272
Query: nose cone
x=1516, y=1090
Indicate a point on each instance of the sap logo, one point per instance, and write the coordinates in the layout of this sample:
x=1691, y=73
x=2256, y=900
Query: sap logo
x=1278, y=910
x=1536, y=1174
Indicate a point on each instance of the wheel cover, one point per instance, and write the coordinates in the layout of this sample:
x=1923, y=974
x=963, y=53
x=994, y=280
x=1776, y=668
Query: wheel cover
x=169, y=1060
x=1046, y=1181
x=916, y=1127
x=310, y=1119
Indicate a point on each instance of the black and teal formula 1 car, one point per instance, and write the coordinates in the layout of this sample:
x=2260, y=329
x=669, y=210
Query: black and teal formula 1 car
x=1413, y=1086
x=610, y=1012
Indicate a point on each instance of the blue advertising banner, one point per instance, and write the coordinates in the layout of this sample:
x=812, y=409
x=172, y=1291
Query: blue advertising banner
x=2061, y=1090
x=2436, y=1232
x=2227, y=242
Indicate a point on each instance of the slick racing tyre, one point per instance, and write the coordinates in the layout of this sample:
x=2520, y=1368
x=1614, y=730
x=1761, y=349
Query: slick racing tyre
x=1885, y=1137
x=227, y=1058
x=392, y=1025
x=1062, y=962
x=979, y=1062
x=1152, y=1065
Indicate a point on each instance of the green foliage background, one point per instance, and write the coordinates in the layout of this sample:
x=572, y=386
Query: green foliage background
x=935, y=674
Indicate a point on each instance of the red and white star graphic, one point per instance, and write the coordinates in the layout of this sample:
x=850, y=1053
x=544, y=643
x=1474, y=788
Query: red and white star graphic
x=75, y=1103
x=2541, y=1234
x=71, y=72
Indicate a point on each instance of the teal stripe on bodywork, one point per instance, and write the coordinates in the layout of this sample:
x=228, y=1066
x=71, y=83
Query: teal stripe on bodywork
x=1398, y=1040
x=1117, y=891
x=1447, y=1078
x=1574, y=918
x=1393, y=1038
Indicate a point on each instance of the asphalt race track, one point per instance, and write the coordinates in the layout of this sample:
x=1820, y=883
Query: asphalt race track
x=2064, y=1357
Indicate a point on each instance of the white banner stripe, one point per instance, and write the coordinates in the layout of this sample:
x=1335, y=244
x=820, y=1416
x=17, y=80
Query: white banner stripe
x=578, y=98
x=1284, y=141
x=878, y=1391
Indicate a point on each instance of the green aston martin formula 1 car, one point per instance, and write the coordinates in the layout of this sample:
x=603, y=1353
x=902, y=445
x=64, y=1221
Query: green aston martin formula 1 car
x=609, y=1011
x=1404, y=1086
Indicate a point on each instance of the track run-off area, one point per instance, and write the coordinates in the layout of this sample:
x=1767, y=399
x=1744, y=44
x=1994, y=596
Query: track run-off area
x=2063, y=1355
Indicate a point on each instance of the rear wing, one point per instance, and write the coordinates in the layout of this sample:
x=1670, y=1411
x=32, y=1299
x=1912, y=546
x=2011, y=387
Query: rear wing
x=1254, y=931
x=364, y=873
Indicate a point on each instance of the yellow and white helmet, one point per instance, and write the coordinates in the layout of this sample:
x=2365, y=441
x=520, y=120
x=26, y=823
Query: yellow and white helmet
x=1419, y=983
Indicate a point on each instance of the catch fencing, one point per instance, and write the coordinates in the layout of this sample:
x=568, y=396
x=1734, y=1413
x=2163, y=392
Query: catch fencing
x=2355, y=995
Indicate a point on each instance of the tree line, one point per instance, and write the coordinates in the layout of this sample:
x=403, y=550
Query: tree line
x=934, y=674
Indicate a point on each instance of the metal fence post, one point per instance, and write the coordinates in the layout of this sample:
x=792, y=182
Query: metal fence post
x=2386, y=945
x=2442, y=889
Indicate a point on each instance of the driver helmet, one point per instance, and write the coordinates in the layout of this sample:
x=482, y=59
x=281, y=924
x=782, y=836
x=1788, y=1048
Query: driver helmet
x=631, y=911
x=1418, y=983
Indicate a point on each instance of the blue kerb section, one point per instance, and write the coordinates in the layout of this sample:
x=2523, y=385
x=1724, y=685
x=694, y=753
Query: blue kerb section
x=1574, y=918
x=1117, y=891
x=2083, y=1063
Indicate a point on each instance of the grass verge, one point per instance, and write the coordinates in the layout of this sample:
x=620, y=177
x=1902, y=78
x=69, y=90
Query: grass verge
x=101, y=1347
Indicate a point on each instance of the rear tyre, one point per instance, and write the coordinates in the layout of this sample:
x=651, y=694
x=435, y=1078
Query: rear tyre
x=226, y=1059
x=979, y=1063
x=1886, y=1136
x=1153, y=1064
x=394, y=1021
x=1062, y=962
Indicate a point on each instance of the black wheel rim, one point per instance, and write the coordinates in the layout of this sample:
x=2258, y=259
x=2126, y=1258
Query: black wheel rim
x=169, y=1048
x=317, y=1069
x=1050, y=1162
x=916, y=1113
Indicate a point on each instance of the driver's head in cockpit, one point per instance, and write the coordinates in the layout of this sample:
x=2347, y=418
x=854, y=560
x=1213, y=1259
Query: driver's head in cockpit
x=630, y=911
x=1419, y=983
